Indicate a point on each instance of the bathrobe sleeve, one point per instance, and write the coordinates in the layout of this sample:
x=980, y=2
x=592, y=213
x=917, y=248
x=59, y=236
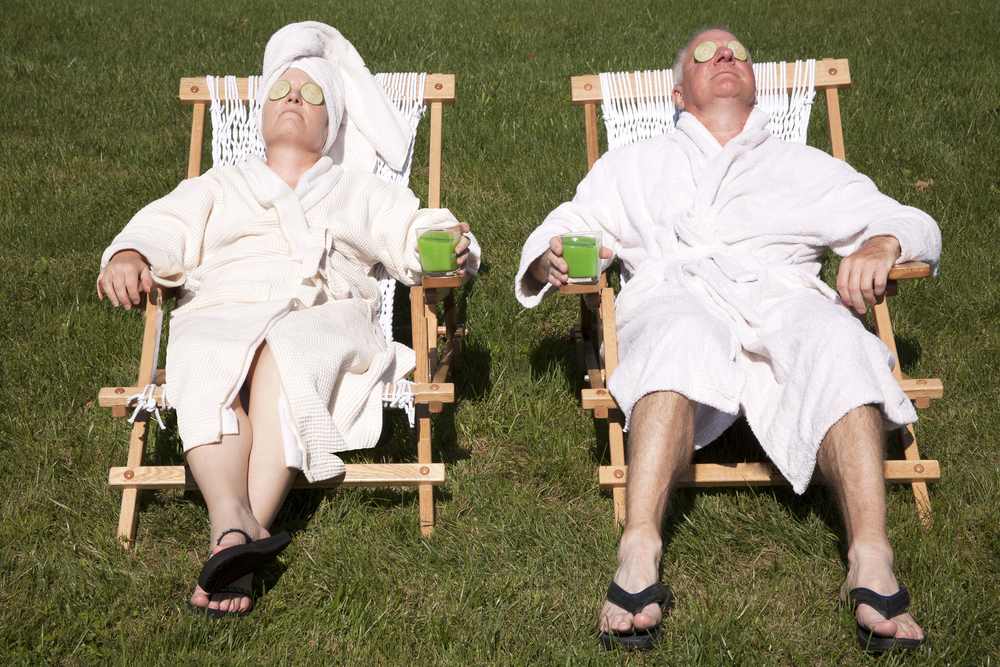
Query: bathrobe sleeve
x=394, y=218
x=170, y=232
x=597, y=206
x=867, y=213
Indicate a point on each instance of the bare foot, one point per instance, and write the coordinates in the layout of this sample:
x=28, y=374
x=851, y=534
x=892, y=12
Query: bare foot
x=871, y=567
x=639, y=556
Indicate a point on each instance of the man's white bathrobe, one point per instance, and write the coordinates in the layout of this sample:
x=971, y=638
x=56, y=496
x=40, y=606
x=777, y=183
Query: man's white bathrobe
x=724, y=304
x=258, y=261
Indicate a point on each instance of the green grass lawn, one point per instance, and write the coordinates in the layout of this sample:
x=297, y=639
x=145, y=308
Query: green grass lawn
x=90, y=131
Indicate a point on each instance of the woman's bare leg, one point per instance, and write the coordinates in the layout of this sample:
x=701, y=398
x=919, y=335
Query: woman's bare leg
x=243, y=479
x=268, y=480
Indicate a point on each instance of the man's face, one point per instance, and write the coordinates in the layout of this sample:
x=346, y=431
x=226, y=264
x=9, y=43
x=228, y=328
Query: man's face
x=720, y=78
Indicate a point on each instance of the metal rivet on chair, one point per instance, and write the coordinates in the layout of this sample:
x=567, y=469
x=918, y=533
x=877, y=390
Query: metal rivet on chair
x=918, y=468
x=434, y=387
x=588, y=86
x=424, y=470
x=129, y=474
x=194, y=89
x=921, y=382
x=438, y=86
x=619, y=474
x=119, y=390
x=833, y=71
x=601, y=392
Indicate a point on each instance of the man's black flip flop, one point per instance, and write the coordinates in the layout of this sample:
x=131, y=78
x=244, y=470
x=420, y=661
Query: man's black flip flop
x=634, y=603
x=887, y=605
x=230, y=564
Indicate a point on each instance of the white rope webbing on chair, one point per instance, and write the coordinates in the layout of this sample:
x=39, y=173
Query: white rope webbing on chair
x=633, y=113
x=144, y=401
x=235, y=134
x=789, y=113
x=406, y=91
x=400, y=395
x=234, y=124
x=646, y=109
x=387, y=286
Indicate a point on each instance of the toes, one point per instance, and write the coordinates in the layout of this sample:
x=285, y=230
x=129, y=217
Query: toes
x=647, y=618
x=199, y=598
x=907, y=628
x=615, y=619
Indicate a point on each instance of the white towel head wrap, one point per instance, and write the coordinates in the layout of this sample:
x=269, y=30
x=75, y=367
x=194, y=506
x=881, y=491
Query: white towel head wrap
x=368, y=122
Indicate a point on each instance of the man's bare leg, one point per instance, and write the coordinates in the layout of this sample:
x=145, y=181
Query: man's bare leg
x=660, y=447
x=850, y=459
x=241, y=480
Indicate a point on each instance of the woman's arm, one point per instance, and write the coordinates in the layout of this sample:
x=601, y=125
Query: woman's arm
x=162, y=243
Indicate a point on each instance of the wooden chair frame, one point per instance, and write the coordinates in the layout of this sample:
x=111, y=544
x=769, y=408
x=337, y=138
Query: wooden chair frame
x=431, y=387
x=597, y=327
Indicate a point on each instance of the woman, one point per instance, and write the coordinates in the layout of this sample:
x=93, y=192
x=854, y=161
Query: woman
x=275, y=259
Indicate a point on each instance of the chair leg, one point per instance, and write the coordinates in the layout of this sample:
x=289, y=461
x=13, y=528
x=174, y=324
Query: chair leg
x=908, y=443
x=128, y=520
x=617, y=441
x=426, y=492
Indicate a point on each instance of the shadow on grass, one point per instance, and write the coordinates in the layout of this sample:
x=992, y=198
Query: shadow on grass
x=555, y=357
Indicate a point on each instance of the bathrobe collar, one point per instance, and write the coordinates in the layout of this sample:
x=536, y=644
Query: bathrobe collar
x=291, y=205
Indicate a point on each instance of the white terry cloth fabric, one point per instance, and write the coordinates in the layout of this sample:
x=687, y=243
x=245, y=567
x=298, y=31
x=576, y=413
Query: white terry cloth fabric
x=734, y=236
x=363, y=121
x=232, y=240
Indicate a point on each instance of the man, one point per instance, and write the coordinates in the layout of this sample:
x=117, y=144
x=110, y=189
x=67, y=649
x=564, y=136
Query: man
x=721, y=228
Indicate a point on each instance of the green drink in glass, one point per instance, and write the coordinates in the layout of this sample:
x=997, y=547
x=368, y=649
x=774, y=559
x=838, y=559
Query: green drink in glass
x=582, y=254
x=436, y=245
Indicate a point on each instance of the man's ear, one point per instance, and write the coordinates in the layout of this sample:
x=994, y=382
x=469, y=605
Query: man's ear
x=679, y=97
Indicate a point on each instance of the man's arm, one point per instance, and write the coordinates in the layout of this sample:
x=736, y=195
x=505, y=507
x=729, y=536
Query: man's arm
x=863, y=274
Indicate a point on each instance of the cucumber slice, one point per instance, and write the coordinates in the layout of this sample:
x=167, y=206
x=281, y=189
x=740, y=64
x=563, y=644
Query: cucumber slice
x=279, y=90
x=739, y=51
x=312, y=93
x=704, y=51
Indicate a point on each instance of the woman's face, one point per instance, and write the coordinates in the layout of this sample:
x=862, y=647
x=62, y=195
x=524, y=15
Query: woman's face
x=292, y=120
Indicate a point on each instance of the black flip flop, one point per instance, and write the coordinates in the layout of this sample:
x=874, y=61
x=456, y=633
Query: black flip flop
x=634, y=603
x=230, y=564
x=887, y=605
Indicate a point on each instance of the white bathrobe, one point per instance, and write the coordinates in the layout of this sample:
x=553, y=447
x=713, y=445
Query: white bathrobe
x=258, y=261
x=724, y=305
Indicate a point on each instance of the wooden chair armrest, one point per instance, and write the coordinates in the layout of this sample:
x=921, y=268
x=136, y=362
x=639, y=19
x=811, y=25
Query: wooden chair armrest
x=910, y=270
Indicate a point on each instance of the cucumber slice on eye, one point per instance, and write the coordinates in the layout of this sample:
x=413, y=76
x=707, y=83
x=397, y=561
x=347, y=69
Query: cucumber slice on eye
x=704, y=51
x=312, y=93
x=739, y=51
x=279, y=90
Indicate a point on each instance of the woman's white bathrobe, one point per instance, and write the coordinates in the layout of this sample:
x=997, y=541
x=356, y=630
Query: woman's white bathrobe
x=724, y=305
x=257, y=261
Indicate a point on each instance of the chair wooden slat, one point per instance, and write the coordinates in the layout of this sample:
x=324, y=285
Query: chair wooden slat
x=358, y=475
x=194, y=89
x=765, y=474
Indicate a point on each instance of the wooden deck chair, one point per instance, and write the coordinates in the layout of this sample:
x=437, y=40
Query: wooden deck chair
x=638, y=105
x=232, y=138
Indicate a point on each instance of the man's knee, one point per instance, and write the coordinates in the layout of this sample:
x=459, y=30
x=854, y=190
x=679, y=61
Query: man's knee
x=860, y=425
x=660, y=409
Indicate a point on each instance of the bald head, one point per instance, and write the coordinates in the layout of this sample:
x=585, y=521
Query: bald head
x=717, y=88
